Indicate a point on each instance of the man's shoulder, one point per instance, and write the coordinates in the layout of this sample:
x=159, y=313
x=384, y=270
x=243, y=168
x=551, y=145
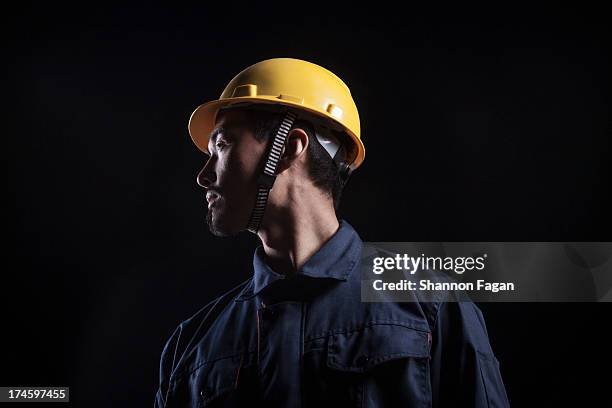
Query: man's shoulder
x=214, y=308
x=188, y=333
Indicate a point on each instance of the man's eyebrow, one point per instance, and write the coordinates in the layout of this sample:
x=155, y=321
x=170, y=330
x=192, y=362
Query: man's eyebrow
x=216, y=131
x=226, y=129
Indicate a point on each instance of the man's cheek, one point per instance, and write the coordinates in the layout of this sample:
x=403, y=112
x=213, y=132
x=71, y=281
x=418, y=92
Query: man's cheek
x=246, y=171
x=251, y=157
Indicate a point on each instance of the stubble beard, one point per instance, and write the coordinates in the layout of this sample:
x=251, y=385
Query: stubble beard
x=215, y=228
x=211, y=225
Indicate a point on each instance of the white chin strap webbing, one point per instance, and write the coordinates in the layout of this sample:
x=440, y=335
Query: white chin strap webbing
x=267, y=178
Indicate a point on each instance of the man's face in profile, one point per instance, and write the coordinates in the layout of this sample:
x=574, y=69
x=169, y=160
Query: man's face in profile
x=230, y=174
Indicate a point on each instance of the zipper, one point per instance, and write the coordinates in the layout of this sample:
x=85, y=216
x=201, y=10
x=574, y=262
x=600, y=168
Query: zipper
x=302, y=333
x=259, y=330
x=238, y=371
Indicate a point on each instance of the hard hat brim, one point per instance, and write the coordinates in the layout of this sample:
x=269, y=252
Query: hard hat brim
x=203, y=118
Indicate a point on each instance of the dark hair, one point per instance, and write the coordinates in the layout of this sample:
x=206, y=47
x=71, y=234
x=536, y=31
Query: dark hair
x=322, y=170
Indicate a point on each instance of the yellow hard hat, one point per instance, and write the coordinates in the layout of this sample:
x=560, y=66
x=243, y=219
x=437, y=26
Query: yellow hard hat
x=290, y=82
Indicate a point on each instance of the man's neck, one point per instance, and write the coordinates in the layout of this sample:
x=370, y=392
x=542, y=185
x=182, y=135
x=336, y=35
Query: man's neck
x=296, y=234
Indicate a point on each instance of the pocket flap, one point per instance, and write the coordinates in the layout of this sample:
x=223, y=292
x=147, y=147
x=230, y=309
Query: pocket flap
x=218, y=377
x=360, y=350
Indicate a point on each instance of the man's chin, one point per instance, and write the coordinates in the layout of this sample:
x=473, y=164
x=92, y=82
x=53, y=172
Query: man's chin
x=218, y=227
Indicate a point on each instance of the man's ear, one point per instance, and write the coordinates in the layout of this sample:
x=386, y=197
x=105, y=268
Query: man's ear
x=295, y=148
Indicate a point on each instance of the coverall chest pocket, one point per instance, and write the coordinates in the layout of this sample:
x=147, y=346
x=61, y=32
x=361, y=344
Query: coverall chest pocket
x=223, y=382
x=381, y=365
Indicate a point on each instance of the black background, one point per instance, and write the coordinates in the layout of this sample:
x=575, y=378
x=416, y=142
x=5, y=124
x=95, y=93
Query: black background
x=480, y=124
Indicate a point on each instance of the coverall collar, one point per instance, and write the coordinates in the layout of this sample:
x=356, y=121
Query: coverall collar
x=334, y=260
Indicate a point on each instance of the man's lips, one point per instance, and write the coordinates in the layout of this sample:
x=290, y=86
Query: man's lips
x=211, y=197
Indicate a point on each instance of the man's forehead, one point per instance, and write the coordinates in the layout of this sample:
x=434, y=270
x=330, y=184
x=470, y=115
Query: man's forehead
x=229, y=119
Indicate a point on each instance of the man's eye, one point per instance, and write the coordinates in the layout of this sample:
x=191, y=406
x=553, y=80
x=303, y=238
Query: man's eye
x=220, y=145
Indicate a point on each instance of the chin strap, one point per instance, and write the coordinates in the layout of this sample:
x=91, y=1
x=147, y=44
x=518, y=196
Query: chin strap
x=267, y=178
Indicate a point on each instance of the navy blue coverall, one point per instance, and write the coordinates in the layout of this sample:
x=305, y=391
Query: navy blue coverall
x=307, y=340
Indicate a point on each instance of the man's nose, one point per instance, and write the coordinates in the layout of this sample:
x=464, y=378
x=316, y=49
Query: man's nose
x=206, y=176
